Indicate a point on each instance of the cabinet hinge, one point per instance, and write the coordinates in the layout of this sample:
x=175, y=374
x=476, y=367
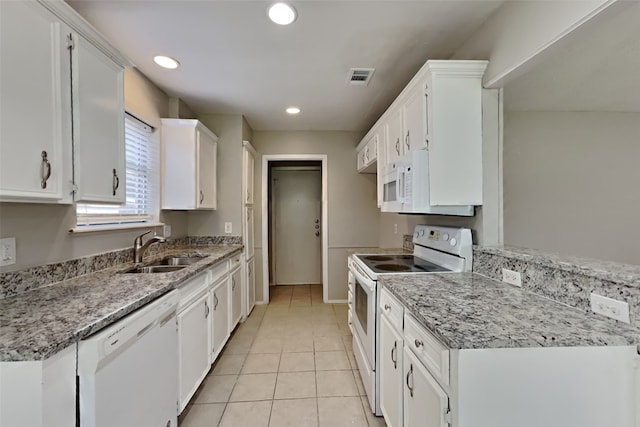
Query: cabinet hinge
x=74, y=188
x=70, y=42
x=447, y=416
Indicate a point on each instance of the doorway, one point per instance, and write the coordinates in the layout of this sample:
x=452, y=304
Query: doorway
x=295, y=246
x=294, y=212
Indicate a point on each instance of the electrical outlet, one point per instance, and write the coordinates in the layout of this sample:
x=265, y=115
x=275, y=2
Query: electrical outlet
x=7, y=251
x=167, y=231
x=511, y=277
x=395, y=228
x=228, y=227
x=610, y=307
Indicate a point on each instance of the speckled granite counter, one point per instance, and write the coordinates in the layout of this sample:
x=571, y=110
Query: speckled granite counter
x=469, y=311
x=37, y=324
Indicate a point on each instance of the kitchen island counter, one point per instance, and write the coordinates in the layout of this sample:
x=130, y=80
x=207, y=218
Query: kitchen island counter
x=37, y=324
x=470, y=311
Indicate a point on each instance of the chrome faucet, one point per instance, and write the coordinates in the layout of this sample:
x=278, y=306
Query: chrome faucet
x=139, y=249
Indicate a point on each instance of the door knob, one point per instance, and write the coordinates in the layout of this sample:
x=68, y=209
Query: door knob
x=317, y=233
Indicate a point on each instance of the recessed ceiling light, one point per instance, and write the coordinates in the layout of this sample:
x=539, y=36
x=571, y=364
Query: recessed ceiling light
x=166, y=62
x=293, y=110
x=282, y=13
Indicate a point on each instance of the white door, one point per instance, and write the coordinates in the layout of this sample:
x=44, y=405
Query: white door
x=220, y=301
x=206, y=175
x=425, y=403
x=297, y=207
x=391, y=377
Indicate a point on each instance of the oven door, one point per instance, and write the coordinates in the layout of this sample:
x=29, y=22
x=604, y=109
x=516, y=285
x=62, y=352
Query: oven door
x=363, y=308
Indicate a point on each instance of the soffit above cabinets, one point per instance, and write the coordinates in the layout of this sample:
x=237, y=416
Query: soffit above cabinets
x=234, y=60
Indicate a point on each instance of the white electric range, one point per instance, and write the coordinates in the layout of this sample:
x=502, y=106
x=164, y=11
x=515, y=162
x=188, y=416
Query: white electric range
x=436, y=250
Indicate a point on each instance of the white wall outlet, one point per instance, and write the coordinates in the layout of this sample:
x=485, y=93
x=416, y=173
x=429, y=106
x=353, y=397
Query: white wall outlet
x=511, y=277
x=610, y=307
x=166, y=230
x=395, y=228
x=228, y=228
x=7, y=251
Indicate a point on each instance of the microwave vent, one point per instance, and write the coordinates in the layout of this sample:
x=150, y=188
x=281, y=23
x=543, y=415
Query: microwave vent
x=360, y=76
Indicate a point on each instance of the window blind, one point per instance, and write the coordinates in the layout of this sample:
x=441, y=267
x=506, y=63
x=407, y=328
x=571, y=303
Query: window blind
x=142, y=181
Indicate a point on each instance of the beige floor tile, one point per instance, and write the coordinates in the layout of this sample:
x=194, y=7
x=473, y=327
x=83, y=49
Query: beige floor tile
x=229, y=364
x=216, y=389
x=246, y=414
x=298, y=344
x=201, y=415
x=266, y=345
x=331, y=360
x=341, y=412
x=352, y=359
x=371, y=418
x=295, y=385
x=294, y=413
x=358, y=379
x=347, y=340
x=297, y=362
x=261, y=363
x=254, y=387
x=330, y=343
x=326, y=330
x=239, y=345
x=335, y=383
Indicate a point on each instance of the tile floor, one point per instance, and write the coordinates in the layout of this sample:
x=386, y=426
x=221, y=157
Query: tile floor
x=290, y=364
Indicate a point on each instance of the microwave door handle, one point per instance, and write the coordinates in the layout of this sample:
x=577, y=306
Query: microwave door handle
x=400, y=185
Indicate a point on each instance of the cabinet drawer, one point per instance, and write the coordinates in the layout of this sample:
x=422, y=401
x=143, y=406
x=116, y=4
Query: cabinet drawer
x=234, y=262
x=192, y=289
x=392, y=309
x=429, y=350
x=218, y=271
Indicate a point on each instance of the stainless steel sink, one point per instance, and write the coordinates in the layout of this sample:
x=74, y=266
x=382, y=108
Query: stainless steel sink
x=178, y=260
x=155, y=269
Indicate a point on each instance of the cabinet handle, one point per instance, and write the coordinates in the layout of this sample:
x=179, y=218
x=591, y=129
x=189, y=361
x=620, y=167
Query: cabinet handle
x=418, y=343
x=201, y=196
x=406, y=141
x=366, y=153
x=248, y=194
x=394, y=358
x=215, y=302
x=410, y=374
x=206, y=310
x=115, y=181
x=398, y=146
x=233, y=283
x=45, y=170
x=387, y=307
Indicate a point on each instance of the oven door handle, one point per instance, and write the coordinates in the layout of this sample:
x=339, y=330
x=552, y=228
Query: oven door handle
x=371, y=284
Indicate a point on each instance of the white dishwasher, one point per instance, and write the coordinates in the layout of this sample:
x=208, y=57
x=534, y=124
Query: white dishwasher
x=128, y=372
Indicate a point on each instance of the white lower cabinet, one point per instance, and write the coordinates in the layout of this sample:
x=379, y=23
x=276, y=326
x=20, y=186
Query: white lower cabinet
x=220, y=318
x=236, y=298
x=425, y=402
x=193, y=341
x=251, y=285
x=391, y=373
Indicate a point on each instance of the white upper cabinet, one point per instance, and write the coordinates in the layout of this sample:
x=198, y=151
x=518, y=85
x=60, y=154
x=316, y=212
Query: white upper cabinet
x=98, y=124
x=34, y=111
x=368, y=152
x=248, y=169
x=189, y=156
x=53, y=67
x=414, y=122
x=393, y=129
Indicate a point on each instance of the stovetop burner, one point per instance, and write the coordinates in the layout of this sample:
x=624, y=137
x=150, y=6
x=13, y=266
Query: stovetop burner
x=399, y=263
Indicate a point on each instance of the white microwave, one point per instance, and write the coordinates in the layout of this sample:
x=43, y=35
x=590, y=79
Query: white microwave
x=405, y=188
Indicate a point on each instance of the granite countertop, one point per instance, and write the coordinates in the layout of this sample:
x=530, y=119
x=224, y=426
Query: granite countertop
x=37, y=324
x=470, y=311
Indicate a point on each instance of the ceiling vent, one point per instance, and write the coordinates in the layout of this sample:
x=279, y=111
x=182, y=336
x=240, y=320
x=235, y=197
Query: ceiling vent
x=360, y=76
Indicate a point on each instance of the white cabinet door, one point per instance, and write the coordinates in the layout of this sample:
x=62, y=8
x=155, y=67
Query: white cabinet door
x=34, y=107
x=391, y=377
x=248, y=166
x=236, y=298
x=414, y=120
x=193, y=350
x=425, y=403
x=394, y=136
x=98, y=125
x=249, y=238
x=206, y=181
x=220, y=301
x=251, y=285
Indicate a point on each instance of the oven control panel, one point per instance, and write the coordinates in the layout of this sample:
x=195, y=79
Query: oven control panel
x=457, y=241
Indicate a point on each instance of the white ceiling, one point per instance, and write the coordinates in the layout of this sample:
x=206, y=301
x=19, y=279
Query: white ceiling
x=236, y=61
x=598, y=69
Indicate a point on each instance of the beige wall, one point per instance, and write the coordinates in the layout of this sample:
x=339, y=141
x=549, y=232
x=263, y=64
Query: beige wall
x=42, y=230
x=229, y=129
x=352, y=212
x=572, y=183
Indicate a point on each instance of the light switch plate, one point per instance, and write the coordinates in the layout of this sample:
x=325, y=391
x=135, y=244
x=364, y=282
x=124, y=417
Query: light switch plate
x=7, y=251
x=610, y=307
x=228, y=227
x=511, y=277
x=166, y=231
